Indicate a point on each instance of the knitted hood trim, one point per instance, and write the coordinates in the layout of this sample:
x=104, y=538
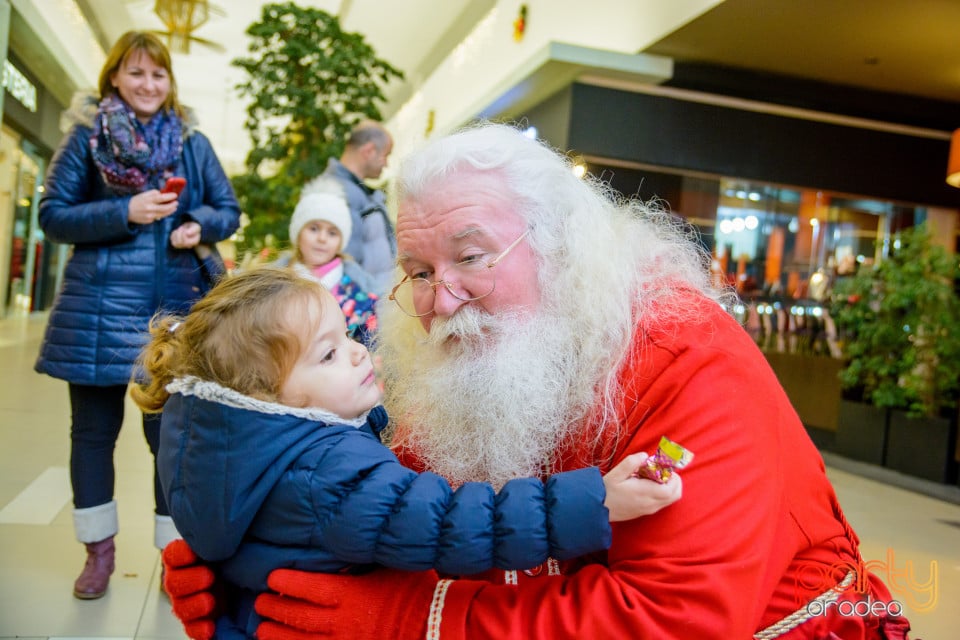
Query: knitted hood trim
x=213, y=392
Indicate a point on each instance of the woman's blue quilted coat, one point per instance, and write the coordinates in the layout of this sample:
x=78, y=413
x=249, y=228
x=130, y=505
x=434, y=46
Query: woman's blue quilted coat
x=119, y=274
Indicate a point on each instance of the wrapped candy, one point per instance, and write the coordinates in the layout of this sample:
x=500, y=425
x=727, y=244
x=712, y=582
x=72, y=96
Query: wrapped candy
x=669, y=457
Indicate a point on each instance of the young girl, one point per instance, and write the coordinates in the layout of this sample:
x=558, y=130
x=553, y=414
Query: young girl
x=319, y=230
x=270, y=454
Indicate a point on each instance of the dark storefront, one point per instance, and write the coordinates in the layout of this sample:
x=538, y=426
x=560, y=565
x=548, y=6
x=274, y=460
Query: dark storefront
x=785, y=200
x=30, y=264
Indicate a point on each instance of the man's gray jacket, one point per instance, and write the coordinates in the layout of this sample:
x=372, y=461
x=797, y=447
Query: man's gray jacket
x=373, y=243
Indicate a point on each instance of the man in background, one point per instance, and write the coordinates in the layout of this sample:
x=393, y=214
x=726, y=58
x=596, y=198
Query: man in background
x=372, y=244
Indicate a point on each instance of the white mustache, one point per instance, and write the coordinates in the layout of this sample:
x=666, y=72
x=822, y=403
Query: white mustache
x=468, y=322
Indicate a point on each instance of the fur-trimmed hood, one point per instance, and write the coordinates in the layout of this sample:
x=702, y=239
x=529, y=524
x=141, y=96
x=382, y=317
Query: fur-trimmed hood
x=213, y=392
x=83, y=109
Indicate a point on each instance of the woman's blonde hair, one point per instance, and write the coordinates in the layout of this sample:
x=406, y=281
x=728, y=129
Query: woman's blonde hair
x=128, y=44
x=246, y=334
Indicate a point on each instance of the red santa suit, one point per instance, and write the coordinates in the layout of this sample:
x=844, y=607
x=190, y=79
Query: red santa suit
x=757, y=547
x=757, y=535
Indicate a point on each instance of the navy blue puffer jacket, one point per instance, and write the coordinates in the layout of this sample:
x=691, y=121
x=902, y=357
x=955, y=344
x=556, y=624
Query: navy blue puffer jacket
x=120, y=274
x=259, y=486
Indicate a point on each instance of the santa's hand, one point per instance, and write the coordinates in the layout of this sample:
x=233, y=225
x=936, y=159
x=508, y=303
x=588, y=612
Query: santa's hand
x=189, y=584
x=385, y=603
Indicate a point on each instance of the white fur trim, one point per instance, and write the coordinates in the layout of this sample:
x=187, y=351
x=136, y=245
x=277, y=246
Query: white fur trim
x=164, y=531
x=83, y=110
x=191, y=386
x=94, y=524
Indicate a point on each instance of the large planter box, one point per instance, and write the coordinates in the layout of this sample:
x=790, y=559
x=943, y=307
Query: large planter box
x=813, y=385
x=923, y=447
x=862, y=432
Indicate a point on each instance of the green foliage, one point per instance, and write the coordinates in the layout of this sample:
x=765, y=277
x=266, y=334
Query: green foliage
x=900, y=328
x=309, y=83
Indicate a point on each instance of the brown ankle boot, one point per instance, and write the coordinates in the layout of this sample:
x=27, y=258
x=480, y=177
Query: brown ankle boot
x=92, y=583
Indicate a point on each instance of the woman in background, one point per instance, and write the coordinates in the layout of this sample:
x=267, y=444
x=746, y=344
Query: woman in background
x=135, y=251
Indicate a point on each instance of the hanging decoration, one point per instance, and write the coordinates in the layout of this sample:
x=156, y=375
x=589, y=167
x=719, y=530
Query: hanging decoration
x=182, y=17
x=520, y=24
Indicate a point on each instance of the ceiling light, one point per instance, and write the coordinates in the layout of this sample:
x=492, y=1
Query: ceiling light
x=953, y=164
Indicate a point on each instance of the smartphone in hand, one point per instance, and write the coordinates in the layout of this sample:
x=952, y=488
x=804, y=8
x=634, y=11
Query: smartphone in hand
x=175, y=184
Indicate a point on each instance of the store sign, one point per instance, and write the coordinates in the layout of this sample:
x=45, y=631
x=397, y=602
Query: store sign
x=19, y=87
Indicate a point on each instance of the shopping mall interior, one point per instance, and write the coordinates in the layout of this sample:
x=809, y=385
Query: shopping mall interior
x=799, y=140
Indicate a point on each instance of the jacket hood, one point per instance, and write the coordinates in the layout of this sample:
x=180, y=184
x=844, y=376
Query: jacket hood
x=190, y=386
x=83, y=109
x=222, y=453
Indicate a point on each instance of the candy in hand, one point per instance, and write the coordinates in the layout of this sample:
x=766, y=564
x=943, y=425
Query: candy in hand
x=669, y=457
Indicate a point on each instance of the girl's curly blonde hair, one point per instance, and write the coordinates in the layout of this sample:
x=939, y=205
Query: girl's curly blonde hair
x=246, y=334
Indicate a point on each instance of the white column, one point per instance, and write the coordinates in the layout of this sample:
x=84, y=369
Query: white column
x=65, y=32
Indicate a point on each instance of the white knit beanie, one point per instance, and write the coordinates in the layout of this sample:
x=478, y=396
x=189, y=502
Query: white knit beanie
x=322, y=199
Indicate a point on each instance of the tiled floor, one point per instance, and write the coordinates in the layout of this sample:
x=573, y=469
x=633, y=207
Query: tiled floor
x=39, y=557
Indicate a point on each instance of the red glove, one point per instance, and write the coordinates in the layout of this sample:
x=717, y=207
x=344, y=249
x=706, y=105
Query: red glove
x=385, y=603
x=189, y=584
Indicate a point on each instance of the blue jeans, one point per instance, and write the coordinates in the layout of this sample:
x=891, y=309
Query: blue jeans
x=96, y=418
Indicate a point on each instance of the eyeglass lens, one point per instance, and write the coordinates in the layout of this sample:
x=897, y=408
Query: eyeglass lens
x=467, y=281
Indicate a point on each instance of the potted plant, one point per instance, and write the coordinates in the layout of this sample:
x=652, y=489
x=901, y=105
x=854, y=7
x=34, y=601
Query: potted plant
x=308, y=82
x=900, y=327
x=869, y=376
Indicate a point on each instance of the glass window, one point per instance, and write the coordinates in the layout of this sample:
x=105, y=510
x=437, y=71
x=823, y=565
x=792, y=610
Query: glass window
x=781, y=247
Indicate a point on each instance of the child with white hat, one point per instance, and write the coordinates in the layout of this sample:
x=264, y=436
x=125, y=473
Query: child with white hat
x=319, y=230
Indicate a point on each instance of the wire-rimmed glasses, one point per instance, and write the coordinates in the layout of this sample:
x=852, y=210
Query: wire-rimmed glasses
x=468, y=280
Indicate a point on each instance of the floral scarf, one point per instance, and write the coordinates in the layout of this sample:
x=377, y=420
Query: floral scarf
x=130, y=155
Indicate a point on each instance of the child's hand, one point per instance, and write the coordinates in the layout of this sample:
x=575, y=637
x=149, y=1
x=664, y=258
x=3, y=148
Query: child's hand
x=630, y=497
x=185, y=236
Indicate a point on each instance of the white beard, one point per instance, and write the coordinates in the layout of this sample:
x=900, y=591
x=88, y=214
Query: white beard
x=493, y=403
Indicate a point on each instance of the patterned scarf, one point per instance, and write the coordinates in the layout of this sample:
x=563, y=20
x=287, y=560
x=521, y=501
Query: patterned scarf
x=132, y=156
